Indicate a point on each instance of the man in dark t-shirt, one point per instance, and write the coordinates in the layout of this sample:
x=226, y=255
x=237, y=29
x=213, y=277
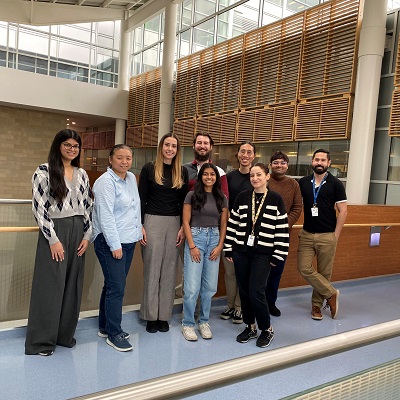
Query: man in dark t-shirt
x=322, y=193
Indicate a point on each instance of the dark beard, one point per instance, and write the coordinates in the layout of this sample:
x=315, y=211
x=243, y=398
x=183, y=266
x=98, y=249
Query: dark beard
x=199, y=157
x=319, y=171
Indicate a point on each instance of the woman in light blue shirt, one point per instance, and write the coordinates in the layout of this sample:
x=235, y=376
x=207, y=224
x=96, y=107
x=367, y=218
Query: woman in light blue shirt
x=116, y=229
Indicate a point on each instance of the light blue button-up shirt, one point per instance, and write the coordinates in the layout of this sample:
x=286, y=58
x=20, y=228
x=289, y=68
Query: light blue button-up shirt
x=116, y=212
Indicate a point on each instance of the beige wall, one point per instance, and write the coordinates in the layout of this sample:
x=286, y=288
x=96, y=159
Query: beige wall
x=25, y=139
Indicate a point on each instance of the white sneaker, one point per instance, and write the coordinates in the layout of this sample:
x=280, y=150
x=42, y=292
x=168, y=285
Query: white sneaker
x=205, y=331
x=189, y=333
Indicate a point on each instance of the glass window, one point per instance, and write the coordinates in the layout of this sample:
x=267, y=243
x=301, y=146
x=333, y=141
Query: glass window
x=150, y=58
x=3, y=58
x=187, y=14
x=203, y=35
x=225, y=25
x=226, y=3
x=185, y=43
x=26, y=63
x=339, y=152
x=271, y=10
x=203, y=9
x=394, y=161
x=136, y=64
x=81, y=32
x=245, y=19
x=73, y=51
x=12, y=37
x=3, y=34
x=106, y=28
x=137, y=40
x=151, y=31
x=33, y=42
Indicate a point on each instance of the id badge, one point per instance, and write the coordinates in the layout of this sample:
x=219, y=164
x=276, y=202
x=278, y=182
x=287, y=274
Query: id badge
x=250, y=240
x=314, y=211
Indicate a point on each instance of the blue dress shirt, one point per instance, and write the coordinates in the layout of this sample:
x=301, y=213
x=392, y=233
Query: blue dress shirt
x=116, y=212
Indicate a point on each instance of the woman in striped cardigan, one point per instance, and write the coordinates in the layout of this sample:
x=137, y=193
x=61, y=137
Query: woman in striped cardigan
x=257, y=238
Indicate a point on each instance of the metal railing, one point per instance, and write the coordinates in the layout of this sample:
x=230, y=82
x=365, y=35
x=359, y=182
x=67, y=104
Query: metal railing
x=224, y=373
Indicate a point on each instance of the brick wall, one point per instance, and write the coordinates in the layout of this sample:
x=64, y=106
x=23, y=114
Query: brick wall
x=25, y=139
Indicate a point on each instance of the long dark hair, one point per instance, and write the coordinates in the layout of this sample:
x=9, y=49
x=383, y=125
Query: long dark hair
x=58, y=187
x=199, y=196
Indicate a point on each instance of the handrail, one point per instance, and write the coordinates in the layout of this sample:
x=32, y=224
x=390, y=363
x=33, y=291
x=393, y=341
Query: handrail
x=15, y=201
x=227, y=372
x=35, y=228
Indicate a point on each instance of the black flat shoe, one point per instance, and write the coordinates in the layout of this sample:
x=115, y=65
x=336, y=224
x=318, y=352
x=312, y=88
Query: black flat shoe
x=274, y=310
x=163, y=326
x=151, y=326
x=46, y=353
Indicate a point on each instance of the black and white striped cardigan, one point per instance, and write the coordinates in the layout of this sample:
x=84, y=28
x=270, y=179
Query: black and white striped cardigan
x=271, y=230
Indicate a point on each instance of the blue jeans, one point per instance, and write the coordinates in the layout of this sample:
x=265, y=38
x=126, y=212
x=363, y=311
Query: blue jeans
x=115, y=272
x=200, y=277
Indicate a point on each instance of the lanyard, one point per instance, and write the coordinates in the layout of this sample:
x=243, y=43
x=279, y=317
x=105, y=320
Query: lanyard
x=254, y=215
x=316, y=191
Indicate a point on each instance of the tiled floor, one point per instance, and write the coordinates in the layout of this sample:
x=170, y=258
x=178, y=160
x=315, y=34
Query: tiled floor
x=94, y=366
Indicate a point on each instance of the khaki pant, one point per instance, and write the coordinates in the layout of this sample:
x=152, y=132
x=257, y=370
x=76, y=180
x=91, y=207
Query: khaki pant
x=232, y=289
x=322, y=246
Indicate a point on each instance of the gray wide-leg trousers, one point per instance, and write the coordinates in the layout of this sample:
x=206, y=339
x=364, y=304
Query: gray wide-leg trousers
x=56, y=290
x=160, y=260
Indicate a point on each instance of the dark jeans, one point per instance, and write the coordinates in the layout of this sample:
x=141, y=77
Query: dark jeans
x=115, y=272
x=252, y=270
x=274, y=278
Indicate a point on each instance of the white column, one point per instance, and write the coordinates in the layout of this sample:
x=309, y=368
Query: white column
x=120, y=127
x=370, y=54
x=167, y=77
x=123, y=77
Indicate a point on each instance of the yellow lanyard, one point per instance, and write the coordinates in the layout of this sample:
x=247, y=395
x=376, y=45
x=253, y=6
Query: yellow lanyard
x=254, y=215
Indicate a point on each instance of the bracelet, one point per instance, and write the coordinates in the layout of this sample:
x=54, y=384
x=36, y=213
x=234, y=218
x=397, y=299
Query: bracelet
x=191, y=248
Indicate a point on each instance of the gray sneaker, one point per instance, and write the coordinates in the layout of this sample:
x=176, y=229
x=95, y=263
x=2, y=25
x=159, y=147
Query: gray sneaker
x=205, y=331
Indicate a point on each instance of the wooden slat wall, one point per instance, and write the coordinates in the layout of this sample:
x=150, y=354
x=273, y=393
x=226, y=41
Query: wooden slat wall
x=394, y=124
x=102, y=140
x=144, y=109
x=291, y=80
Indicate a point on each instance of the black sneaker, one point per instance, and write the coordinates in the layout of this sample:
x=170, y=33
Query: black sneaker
x=119, y=342
x=237, y=317
x=227, y=314
x=265, y=338
x=104, y=334
x=274, y=310
x=246, y=335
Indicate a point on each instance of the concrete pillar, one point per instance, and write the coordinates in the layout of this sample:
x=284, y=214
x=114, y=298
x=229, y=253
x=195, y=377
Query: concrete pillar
x=167, y=77
x=370, y=54
x=123, y=77
x=124, y=51
x=120, y=127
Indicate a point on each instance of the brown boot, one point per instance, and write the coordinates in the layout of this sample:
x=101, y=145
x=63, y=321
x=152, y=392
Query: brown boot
x=316, y=313
x=333, y=304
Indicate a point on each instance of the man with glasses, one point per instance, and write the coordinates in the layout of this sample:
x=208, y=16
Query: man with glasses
x=289, y=189
x=323, y=195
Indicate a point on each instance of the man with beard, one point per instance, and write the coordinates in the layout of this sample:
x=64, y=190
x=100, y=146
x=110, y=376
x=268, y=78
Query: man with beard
x=321, y=192
x=202, y=147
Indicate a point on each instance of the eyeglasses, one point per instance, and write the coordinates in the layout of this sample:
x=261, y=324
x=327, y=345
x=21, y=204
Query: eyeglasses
x=279, y=162
x=69, y=146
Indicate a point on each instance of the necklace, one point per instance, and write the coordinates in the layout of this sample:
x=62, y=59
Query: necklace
x=259, y=196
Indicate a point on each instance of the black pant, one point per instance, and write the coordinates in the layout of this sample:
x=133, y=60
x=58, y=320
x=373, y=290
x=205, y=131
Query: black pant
x=56, y=290
x=252, y=270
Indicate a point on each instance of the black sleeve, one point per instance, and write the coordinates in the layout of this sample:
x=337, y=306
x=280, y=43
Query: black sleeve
x=144, y=182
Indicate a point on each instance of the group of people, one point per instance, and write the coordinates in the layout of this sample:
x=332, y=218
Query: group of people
x=245, y=216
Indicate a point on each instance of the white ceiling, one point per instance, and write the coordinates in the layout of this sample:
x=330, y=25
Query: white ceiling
x=129, y=5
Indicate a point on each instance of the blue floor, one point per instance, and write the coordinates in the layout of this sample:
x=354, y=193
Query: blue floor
x=93, y=365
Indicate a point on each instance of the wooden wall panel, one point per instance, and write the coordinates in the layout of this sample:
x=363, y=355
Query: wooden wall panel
x=307, y=57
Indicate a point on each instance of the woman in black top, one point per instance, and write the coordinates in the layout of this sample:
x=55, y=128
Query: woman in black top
x=163, y=185
x=257, y=238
